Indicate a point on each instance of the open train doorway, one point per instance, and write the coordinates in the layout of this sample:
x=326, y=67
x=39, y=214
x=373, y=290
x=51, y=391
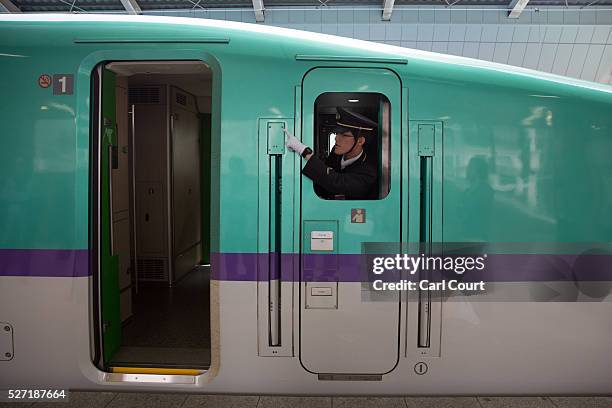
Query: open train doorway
x=151, y=214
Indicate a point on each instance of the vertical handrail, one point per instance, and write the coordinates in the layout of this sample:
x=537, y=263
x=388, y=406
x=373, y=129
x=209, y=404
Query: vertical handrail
x=110, y=198
x=274, y=249
x=275, y=239
x=134, y=222
x=425, y=238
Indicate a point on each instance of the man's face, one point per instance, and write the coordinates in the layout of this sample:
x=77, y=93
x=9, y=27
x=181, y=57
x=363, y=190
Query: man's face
x=344, y=143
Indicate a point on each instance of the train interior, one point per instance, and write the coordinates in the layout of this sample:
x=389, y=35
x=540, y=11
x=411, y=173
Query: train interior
x=154, y=290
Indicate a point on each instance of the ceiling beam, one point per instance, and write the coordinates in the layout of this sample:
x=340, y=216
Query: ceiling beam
x=517, y=7
x=7, y=6
x=387, y=9
x=131, y=6
x=590, y=4
x=258, y=8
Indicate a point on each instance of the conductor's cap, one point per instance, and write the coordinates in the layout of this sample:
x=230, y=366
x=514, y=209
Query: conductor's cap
x=347, y=121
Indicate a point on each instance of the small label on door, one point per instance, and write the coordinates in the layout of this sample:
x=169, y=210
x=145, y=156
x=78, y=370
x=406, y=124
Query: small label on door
x=322, y=241
x=321, y=291
x=358, y=215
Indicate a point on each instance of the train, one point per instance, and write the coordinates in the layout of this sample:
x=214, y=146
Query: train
x=157, y=234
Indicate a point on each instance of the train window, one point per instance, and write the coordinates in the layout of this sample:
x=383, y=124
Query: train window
x=341, y=119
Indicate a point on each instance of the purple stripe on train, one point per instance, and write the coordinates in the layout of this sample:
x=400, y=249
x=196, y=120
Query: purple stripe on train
x=357, y=268
x=326, y=267
x=44, y=262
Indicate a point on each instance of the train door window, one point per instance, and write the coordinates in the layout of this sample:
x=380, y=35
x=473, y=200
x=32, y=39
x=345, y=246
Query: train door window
x=376, y=149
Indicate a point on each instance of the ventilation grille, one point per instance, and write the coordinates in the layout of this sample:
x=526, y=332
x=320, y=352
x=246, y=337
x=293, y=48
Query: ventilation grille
x=181, y=99
x=152, y=269
x=148, y=95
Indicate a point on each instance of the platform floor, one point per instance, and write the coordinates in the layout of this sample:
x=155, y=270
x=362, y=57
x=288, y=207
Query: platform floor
x=149, y=400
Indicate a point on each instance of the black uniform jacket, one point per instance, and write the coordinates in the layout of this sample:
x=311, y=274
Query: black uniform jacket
x=357, y=181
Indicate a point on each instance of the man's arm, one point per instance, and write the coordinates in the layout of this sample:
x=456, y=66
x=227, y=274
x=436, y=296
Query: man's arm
x=350, y=184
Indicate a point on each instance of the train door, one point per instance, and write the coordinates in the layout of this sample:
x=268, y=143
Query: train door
x=150, y=214
x=341, y=331
x=109, y=261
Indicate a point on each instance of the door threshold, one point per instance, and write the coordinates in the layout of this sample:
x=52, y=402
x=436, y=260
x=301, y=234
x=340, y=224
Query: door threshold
x=156, y=370
x=152, y=375
x=130, y=365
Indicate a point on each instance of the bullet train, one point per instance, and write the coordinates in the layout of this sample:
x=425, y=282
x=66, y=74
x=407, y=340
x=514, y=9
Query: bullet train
x=157, y=234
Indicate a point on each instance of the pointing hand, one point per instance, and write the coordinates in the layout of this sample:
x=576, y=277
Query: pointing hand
x=293, y=143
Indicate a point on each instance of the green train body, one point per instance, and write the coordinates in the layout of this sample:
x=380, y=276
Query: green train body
x=481, y=105
x=516, y=156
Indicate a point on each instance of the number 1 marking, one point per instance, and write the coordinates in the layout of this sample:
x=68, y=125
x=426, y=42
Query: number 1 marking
x=62, y=81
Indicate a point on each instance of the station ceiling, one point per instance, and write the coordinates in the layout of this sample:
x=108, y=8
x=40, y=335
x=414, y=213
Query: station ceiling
x=30, y=6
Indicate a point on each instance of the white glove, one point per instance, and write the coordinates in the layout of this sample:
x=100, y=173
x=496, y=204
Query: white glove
x=293, y=143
